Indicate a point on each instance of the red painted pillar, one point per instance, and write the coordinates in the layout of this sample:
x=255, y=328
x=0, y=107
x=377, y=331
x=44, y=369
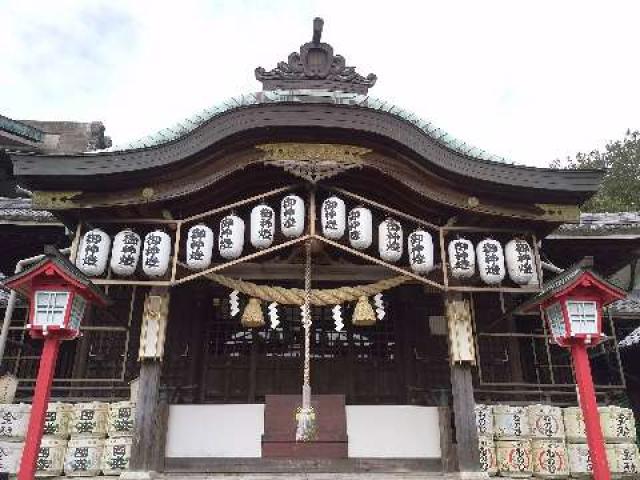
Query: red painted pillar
x=589, y=408
x=39, y=409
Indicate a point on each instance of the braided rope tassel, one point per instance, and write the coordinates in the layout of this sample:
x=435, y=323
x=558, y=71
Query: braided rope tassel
x=305, y=415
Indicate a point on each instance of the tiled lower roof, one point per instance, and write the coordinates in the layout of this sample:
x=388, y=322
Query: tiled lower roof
x=619, y=223
x=19, y=209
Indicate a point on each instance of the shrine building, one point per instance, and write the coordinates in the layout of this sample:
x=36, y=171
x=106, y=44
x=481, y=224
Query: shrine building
x=413, y=248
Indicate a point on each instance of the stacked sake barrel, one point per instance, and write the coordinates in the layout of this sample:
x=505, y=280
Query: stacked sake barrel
x=485, y=426
x=619, y=432
x=512, y=439
x=88, y=430
x=51, y=456
x=548, y=449
x=120, y=428
x=14, y=420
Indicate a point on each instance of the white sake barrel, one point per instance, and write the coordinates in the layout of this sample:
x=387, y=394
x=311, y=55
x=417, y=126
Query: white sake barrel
x=574, y=425
x=579, y=460
x=121, y=420
x=624, y=461
x=510, y=423
x=83, y=457
x=14, y=420
x=116, y=455
x=484, y=420
x=89, y=420
x=10, y=456
x=50, y=461
x=488, y=457
x=549, y=458
x=545, y=421
x=514, y=458
x=618, y=424
x=57, y=419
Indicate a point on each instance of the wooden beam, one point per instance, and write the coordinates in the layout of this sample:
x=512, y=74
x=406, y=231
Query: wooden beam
x=288, y=271
x=464, y=407
x=144, y=456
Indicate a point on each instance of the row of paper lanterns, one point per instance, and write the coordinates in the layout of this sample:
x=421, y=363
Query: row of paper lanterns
x=357, y=224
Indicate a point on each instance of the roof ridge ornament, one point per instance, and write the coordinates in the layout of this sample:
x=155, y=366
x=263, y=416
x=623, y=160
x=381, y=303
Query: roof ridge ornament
x=315, y=68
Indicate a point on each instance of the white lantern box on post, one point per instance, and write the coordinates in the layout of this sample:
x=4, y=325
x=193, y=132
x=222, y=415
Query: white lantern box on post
x=156, y=253
x=125, y=253
x=333, y=218
x=390, y=240
x=519, y=258
x=231, y=237
x=93, y=252
x=360, y=224
x=490, y=261
x=200, y=240
x=292, y=216
x=420, y=248
x=263, y=226
x=462, y=258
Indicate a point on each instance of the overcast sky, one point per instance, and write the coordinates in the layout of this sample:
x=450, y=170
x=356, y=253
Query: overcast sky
x=531, y=81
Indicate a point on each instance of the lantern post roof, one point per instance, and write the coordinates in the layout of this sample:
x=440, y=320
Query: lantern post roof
x=572, y=278
x=54, y=263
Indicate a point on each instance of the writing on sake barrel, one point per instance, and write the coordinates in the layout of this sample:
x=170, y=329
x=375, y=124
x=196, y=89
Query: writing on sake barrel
x=545, y=421
x=57, y=419
x=50, y=462
x=511, y=423
x=121, y=419
x=116, y=455
x=488, y=457
x=10, y=456
x=484, y=420
x=574, y=427
x=549, y=458
x=14, y=420
x=89, y=420
x=514, y=458
x=83, y=457
x=618, y=424
x=623, y=460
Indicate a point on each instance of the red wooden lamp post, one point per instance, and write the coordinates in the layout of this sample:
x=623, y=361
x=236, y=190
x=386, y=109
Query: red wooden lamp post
x=572, y=305
x=59, y=295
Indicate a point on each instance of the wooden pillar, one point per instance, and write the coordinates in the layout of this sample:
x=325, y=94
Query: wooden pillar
x=144, y=457
x=462, y=357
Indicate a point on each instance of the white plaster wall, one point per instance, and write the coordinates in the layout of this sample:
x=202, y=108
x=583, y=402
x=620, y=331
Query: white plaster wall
x=393, y=431
x=215, y=431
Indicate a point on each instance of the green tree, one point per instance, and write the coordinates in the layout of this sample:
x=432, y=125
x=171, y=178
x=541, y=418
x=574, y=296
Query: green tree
x=620, y=189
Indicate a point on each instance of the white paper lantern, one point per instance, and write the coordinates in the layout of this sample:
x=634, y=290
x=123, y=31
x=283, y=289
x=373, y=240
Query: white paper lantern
x=390, y=240
x=333, y=218
x=462, y=258
x=263, y=226
x=490, y=261
x=292, y=216
x=125, y=253
x=199, y=247
x=420, y=248
x=231, y=237
x=93, y=252
x=156, y=253
x=360, y=224
x=519, y=258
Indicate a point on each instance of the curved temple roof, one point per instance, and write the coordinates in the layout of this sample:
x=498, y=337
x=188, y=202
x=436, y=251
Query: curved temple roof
x=183, y=128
